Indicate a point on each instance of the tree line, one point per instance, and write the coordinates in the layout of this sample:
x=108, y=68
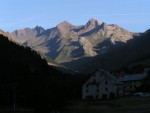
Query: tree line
x=37, y=85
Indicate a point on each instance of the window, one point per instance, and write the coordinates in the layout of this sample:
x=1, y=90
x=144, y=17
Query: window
x=134, y=86
x=94, y=80
x=97, y=90
x=97, y=96
x=104, y=96
x=87, y=91
x=106, y=82
x=87, y=86
x=106, y=89
x=97, y=85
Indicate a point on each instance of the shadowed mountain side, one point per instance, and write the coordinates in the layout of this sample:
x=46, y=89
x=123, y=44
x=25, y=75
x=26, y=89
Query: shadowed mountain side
x=107, y=45
x=52, y=31
x=53, y=44
x=135, y=49
x=39, y=30
x=36, y=85
x=67, y=42
x=81, y=65
x=77, y=52
x=94, y=30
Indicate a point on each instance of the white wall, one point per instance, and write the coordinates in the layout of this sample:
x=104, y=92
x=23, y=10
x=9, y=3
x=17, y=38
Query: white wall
x=130, y=86
x=92, y=88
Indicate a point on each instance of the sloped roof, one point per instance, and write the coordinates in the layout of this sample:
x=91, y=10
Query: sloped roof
x=113, y=79
x=133, y=77
x=110, y=76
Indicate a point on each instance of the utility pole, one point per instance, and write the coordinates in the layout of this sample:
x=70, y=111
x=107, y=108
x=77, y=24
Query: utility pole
x=14, y=98
x=13, y=88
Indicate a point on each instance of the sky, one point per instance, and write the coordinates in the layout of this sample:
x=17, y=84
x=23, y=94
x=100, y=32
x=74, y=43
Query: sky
x=133, y=15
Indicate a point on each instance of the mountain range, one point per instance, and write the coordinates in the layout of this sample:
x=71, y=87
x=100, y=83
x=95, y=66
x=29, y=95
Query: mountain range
x=86, y=47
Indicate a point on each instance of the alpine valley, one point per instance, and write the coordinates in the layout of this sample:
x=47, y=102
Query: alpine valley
x=86, y=47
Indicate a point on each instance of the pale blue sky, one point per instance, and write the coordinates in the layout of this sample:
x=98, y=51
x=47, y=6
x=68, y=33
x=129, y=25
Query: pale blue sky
x=133, y=15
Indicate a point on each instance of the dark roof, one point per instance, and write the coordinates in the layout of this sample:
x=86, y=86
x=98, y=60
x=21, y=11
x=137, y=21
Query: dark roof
x=110, y=76
x=133, y=77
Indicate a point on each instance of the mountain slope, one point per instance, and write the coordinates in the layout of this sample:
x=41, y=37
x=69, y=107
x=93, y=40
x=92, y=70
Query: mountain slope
x=36, y=85
x=135, y=50
x=66, y=42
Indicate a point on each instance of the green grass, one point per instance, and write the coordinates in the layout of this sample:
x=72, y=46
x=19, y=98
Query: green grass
x=122, y=105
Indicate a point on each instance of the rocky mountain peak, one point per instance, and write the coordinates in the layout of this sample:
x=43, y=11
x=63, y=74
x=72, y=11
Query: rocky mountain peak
x=1, y=32
x=67, y=43
x=92, y=23
x=65, y=26
x=39, y=29
x=147, y=31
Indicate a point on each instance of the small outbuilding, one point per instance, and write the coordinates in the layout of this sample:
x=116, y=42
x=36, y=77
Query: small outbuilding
x=132, y=82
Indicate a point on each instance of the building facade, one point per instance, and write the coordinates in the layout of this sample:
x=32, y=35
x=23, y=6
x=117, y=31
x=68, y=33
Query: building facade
x=132, y=82
x=102, y=85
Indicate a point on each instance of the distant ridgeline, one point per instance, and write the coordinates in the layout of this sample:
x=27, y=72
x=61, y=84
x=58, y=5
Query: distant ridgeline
x=37, y=85
x=87, y=47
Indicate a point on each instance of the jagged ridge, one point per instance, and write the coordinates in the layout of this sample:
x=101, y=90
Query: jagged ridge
x=67, y=42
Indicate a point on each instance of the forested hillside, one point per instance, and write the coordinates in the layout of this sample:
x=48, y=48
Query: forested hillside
x=37, y=86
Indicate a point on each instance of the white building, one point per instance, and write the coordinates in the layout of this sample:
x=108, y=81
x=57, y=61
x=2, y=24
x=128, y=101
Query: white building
x=101, y=85
x=132, y=82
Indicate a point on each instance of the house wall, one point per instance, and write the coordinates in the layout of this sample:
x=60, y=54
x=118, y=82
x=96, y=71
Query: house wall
x=89, y=89
x=130, y=86
x=98, y=87
x=106, y=89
